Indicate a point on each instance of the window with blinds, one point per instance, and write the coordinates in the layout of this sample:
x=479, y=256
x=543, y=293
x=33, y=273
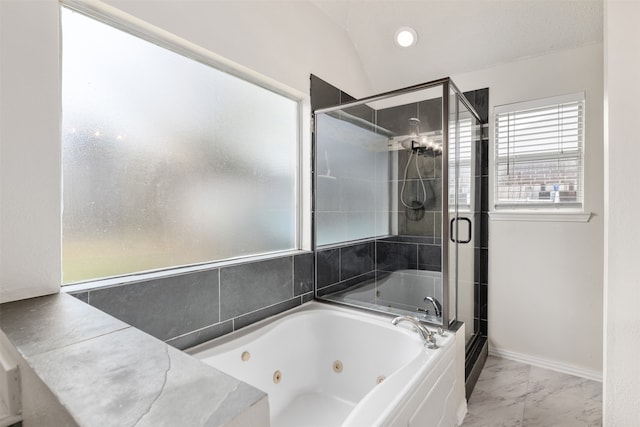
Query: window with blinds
x=464, y=144
x=539, y=146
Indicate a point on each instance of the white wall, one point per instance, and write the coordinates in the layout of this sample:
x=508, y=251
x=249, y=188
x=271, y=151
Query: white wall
x=30, y=175
x=283, y=40
x=545, y=278
x=622, y=269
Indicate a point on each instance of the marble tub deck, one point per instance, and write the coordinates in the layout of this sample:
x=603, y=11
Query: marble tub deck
x=82, y=367
x=513, y=394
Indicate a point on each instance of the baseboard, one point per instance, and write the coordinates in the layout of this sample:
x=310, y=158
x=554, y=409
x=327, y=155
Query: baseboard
x=462, y=412
x=547, y=364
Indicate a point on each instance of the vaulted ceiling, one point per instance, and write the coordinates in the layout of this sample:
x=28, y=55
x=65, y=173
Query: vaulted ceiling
x=456, y=36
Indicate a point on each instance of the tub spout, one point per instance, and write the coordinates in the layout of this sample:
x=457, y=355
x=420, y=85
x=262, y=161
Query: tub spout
x=437, y=307
x=426, y=335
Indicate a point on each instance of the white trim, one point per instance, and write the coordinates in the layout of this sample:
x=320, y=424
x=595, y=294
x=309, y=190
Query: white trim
x=162, y=273
x=540, y=216
x=462, y=412
x=540, y=102
x=547, y=364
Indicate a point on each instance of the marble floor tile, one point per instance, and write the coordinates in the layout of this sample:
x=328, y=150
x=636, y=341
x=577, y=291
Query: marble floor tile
x=491, y=410
x=514, y=394
x=559, y=399
x=506, y=378
x=499, y=395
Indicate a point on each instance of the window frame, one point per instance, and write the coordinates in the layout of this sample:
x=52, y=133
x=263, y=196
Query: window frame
x=542, y=211
x=136, y=27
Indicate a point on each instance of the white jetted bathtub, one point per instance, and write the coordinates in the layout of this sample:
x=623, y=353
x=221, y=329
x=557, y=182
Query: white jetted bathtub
x=324, y=365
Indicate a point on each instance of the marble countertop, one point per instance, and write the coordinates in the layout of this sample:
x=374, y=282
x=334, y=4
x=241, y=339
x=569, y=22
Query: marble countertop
x=105, y=372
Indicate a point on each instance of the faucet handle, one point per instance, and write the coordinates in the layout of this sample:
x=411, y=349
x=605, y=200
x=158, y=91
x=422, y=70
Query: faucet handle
x=441, y=332
x=430, y=342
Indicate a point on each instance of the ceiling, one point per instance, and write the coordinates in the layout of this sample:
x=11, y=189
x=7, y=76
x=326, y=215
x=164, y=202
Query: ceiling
x=456, y=36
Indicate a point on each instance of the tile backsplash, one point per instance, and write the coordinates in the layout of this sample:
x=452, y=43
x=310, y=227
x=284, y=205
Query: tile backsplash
x=187, y=309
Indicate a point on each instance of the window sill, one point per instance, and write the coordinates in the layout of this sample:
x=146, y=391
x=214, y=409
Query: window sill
x=540, y=216
x=126, y=279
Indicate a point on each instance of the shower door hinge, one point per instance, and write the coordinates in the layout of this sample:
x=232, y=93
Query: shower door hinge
x=312, y=122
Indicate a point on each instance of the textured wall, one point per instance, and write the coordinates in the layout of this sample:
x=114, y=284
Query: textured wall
x=622, y=274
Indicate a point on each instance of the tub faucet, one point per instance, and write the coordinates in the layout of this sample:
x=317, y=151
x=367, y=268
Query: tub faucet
x=426, y=335
x=437, y=307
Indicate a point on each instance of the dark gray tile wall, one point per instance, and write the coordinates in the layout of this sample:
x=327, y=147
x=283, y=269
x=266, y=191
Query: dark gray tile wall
x=356, y=260
x=346, y=265
x=303, y=273
x=164, y=308
x=248, y=287
x=352, y=264
x=393, y=255
x=418, y=181
x=187, y=309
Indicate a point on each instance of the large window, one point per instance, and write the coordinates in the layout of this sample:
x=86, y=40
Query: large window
x=539, y=160
x=168, y=161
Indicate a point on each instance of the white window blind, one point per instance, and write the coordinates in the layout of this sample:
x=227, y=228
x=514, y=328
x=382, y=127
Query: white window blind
x=539, y=146
x=464, y=145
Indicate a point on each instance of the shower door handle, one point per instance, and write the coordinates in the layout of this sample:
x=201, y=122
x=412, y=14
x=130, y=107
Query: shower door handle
x=455, y=240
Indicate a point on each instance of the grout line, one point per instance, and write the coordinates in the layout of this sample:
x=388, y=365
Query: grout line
x=262, y=308
x=196, y=331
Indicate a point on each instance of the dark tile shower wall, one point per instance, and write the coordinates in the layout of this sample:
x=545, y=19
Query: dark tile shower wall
x=408, y=252
x=191, y=308
x=421, y=188
x=342, y=267
x=352, y=264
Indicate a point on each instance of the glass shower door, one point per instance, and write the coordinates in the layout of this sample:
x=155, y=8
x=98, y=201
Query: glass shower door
x=463, y=132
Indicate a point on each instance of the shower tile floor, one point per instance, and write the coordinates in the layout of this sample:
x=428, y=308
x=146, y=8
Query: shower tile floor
x=513, y=394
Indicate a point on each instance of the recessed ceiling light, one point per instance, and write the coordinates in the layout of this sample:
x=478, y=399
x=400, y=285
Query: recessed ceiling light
x=406, y=36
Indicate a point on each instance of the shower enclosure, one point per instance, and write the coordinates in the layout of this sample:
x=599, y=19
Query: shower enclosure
x=396, y=203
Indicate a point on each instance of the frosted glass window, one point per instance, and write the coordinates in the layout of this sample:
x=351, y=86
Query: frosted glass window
x=168, y=161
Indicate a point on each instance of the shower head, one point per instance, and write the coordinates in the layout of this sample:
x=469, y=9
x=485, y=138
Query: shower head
x=414, y=142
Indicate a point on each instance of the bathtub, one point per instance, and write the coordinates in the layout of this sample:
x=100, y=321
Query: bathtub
x=401, y=292
x=324, y=365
